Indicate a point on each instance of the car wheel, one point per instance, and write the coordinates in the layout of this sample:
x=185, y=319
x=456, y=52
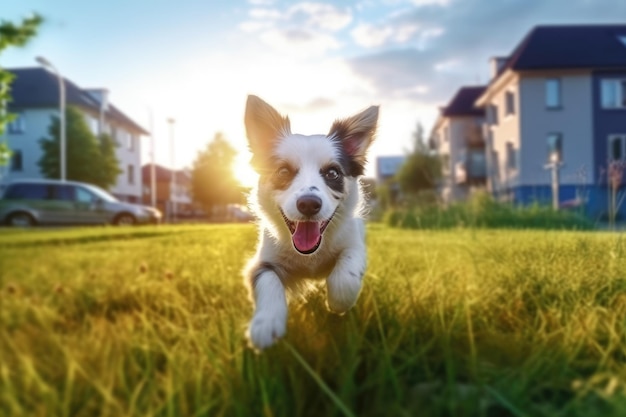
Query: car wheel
x=124, y=219
x=21, y=219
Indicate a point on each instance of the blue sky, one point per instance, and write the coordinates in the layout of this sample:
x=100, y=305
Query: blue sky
x=196, y=61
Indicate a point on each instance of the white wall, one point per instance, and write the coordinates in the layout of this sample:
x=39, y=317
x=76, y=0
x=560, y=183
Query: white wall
x=128, y=154
x=506, y=130
x=36, y=124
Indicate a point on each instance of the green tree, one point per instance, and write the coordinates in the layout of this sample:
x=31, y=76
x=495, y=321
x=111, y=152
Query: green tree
x=88, y=158
x=12, y=35
x=213, y=182
x=421, y=169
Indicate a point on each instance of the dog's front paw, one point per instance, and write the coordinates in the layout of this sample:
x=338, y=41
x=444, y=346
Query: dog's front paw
x=338, y=306
x=343, y=292
x=266, y=328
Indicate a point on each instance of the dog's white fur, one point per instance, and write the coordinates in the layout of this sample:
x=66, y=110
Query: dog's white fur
x=292, y=167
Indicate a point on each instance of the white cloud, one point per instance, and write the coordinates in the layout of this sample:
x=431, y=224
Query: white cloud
x=264, y=13
x=299, y=42
x=322, y=16
x=370, y=36
x=254, y=26
x=305, y=28
x=261, y=2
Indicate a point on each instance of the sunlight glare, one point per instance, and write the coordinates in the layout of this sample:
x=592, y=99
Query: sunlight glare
x=244, y=173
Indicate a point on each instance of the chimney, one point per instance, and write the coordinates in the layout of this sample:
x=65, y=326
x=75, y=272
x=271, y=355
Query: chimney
x=496, y=64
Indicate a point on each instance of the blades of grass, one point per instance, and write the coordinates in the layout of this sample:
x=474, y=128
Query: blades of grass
x=504, y=402
x=336, y=400
x=387, y=357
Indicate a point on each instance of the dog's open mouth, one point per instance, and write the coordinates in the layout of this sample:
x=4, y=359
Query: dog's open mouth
x=306, y=235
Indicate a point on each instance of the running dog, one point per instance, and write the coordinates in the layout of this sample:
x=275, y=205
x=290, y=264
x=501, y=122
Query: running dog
x=309, y=203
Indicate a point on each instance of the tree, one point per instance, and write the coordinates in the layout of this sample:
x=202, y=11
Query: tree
x=88, y=158
x=421, y=169
x=213, y=183
x=12, y=35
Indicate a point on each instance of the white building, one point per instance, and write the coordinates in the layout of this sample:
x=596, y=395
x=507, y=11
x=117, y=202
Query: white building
x=35, y=100
x=458, y=140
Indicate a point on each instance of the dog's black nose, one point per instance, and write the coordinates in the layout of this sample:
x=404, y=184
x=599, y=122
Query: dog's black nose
x=309, y=205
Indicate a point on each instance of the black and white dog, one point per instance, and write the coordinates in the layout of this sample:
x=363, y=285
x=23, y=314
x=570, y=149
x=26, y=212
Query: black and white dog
x=309, y=203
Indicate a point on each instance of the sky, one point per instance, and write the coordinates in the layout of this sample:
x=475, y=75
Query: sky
x=316, y=61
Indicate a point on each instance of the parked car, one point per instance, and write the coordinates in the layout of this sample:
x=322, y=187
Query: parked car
x=54, y=202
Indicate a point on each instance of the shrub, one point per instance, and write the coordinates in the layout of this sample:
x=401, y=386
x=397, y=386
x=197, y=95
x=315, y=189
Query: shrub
x=482, y=211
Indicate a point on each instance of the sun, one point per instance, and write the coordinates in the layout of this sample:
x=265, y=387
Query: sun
x=243, y=172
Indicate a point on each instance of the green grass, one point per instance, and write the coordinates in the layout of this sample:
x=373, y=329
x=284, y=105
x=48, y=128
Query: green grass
x=464, y=322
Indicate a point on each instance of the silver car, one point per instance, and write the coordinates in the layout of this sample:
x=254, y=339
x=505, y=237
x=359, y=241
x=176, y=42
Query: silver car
x=55, y=202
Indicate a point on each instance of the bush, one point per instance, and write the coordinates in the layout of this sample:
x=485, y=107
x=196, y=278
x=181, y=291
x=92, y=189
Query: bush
x=482, y=211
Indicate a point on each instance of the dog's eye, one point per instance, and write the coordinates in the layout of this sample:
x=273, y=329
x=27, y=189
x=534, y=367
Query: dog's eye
x=283, y=172
x=331, y=174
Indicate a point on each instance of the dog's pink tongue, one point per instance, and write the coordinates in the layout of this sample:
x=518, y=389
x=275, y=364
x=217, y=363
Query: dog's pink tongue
x=306, y=236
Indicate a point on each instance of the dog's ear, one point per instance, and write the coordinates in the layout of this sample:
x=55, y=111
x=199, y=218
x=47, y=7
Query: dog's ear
x=356, y=133
x=264, y=126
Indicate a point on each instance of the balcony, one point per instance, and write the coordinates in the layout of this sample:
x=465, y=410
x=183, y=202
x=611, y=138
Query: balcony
x=472, y=170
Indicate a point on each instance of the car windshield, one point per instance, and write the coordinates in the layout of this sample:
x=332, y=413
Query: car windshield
x=106, y=196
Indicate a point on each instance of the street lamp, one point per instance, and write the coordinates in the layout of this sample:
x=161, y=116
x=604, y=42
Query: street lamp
x=153, y=196
x=62, y=139
x=171, y=121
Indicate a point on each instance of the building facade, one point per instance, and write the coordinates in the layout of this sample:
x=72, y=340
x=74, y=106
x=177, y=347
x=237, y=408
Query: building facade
x=458, y=140
x=35, y=100
x=172, y=195
x=558, y=102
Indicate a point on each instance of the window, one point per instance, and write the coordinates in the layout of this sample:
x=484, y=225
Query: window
x=613, y=93
x=17, y=161
x=492, y=114
x=553, y=93
x=130, y=142
x=511, y=156
x=555, y=147
x=65, y=193
x=17, y=125
x=93, y=124
x=131, y=174
x=114, y=135
x=509, y=103
x=85, y=196
x=29, y=192
x=617, y=147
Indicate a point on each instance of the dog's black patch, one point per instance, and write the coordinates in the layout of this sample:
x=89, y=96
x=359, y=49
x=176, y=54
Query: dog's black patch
x=351, y=167
x=333, y=177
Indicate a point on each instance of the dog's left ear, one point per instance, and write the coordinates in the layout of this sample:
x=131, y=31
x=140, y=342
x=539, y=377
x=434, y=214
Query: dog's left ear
x=356, y=133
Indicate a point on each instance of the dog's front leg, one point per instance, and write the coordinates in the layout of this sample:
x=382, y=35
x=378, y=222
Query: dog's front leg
x=343, y=285
x=270, y=313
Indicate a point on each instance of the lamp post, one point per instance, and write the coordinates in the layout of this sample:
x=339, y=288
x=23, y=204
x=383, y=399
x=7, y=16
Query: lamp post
x=171, y=121
x=62, y=139
x=153, y=199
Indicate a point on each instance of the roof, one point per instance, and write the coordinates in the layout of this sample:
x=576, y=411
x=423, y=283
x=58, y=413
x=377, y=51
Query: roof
x=570, y=47
x=462, y=104
x=37, y=87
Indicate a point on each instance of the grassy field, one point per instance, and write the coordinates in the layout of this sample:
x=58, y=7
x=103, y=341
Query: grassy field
x=150, y=322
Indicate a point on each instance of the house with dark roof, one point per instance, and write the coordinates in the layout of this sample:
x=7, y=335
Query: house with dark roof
x=457, y=138
x=559, y=99
x=35, y=100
